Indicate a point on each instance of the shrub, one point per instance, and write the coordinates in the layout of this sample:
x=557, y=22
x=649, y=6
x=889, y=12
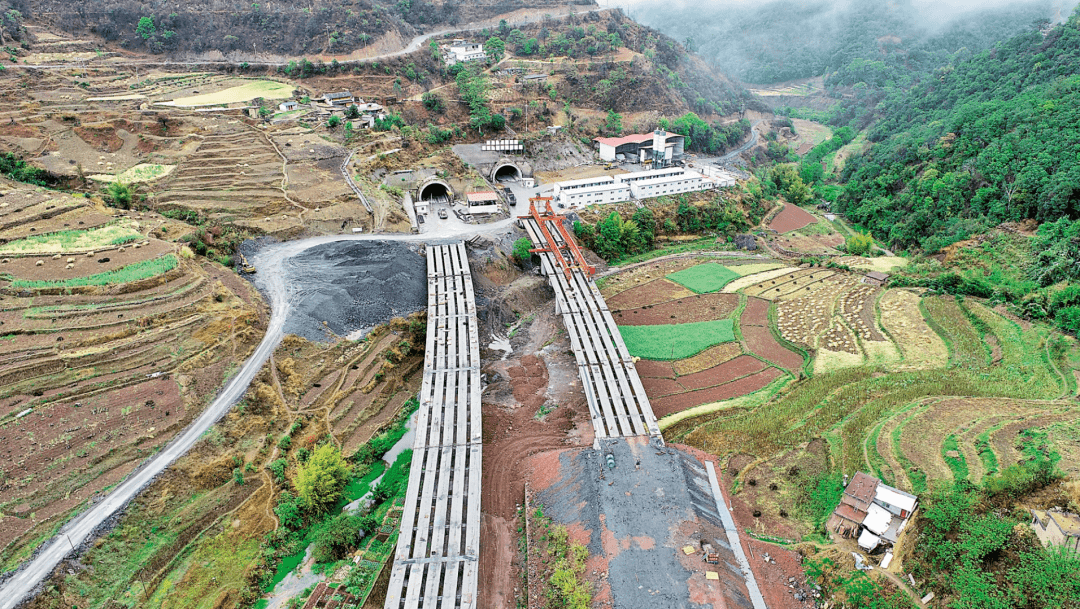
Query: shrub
x=859, y=244
x=319, y=481
x=521, y=249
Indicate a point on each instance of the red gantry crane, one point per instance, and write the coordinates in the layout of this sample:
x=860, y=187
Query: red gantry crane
x=566, y=250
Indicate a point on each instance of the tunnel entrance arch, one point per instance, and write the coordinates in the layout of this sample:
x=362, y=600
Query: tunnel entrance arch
x=435, y=190
x=506, y=172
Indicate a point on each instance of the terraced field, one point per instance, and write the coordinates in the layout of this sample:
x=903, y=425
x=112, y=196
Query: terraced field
x=911, y=426
x=670, y=311
x=914, y=388
x=108, y=347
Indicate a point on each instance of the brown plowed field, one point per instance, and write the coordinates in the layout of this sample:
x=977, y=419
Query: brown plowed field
x=739, y=367
x=646, y=367
x=756, y=312
x=655, y=387
x=761, y=342
x=701, y=307
x=791, y=218
x=652, y=293
x=746, y=385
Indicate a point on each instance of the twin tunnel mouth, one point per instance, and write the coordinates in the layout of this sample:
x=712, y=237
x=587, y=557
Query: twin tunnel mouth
x=434, y=191
x=506, y=173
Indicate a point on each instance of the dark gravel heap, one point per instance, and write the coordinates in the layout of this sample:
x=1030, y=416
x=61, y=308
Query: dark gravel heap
x=353, y=285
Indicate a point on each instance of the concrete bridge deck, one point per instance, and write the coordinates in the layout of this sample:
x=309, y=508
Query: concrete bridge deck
x=436, y=563
x=617, y=401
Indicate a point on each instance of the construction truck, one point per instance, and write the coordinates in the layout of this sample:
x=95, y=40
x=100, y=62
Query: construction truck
x=245, y=266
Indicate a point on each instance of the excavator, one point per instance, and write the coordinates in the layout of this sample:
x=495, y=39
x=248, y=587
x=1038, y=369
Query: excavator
x=245, y=266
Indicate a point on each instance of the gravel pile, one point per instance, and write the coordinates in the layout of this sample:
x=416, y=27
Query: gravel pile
x=348, y=286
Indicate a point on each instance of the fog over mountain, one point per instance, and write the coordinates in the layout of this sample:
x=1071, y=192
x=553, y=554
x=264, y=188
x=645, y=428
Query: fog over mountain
x=778, y=40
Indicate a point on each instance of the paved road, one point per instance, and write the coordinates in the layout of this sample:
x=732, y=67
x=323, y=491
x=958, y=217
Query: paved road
x=734, y=154
x=272, y=263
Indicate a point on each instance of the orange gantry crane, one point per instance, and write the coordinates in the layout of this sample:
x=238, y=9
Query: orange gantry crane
x=566, y=250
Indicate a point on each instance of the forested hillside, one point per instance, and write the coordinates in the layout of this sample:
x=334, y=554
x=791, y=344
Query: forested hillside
x=991, y=139
x=200, y=26
x=776, y=41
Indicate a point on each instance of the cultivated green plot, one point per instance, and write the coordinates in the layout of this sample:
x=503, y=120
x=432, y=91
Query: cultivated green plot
x=143, y=172
x=671, y=342
x=74, y=240
x=704, y=278
x=126, y=274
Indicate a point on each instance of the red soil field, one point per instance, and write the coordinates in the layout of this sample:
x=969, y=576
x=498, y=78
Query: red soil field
x=700, y=307
x=792, y=218
x=661, y=387
x=746, y=385
x=724, y=373
x=756, y=312
x=652, y=293
x=646, y=367
x=763, y=343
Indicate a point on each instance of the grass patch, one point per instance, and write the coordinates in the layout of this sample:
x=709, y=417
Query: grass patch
x=127, y=274
x=143, y=172
x=707, y=243
x=267, y=89
x=704, y=278
x=677, y=341
x=749, y=269
x=957, y=464
x=73, y=240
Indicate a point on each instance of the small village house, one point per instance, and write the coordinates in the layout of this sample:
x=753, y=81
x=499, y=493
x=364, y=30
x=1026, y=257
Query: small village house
x=1057, y=528
x=339, y=99
x=288, y=106
x=875, y=278
x=460, y=51
x=873, y=511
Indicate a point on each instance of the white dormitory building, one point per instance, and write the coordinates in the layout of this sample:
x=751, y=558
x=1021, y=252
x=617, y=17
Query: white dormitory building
x=636, y=185
x=462, y=51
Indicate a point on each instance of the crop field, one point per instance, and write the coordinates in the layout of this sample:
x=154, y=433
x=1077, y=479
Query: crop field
x=143, y=172
x=700, y=307
x=266, y=89
x=704, y=278
x=672, y=342
x=756, y=278
x=137, y=271
x=74, y=241
x=99, y=377
x=903, y=421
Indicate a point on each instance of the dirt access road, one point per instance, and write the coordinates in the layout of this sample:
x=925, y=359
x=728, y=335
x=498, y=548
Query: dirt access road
x=283, y=292
x=415, y=44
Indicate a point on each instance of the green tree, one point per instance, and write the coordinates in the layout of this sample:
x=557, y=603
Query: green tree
x=319, y=480
x=495, y=49
x=859, y=244
x=521, y=249
x=288, y=511
x=433, y=102
x=334, y=121
x=613, y=125
x=120, y=195
x=146, y=28
x=353, y=111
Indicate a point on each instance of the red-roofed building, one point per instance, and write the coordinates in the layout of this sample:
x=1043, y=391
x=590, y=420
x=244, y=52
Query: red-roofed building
x=854, y=503
x=659, y=148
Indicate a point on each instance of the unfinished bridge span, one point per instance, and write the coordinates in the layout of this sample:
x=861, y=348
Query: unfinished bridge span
x=438, y=550
x=617, y=402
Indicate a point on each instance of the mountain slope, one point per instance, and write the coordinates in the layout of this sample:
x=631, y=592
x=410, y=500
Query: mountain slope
x=991, y=139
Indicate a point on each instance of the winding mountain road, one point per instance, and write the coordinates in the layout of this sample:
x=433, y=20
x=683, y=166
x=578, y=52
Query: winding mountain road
x=273, y=263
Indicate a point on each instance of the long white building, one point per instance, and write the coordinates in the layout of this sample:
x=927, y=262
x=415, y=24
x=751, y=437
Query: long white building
x=624, y=187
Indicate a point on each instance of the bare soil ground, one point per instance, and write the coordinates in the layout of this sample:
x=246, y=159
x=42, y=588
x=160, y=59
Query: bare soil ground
x=791, y=218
